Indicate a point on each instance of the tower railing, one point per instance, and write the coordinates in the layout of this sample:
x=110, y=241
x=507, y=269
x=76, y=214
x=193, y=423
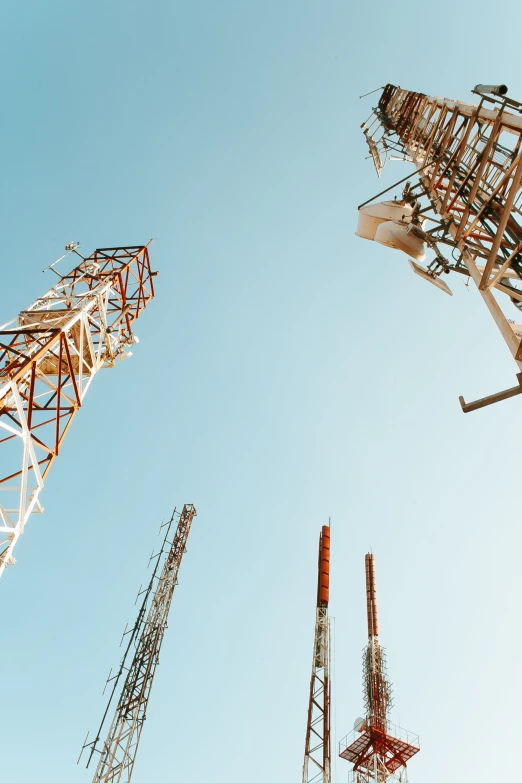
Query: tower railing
x=397, y=732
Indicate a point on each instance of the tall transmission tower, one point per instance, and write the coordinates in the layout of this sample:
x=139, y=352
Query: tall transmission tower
x=48, y=357
x=317, y=756
x=118, y=753
x=466, y=200
x=378, y=750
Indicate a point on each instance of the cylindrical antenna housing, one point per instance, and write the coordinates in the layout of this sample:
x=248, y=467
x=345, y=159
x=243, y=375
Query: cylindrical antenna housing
x=324, y=567
x=491, y=89
x=371, y=596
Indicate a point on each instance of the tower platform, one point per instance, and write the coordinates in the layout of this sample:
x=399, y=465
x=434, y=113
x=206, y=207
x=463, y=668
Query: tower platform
x=395, y=746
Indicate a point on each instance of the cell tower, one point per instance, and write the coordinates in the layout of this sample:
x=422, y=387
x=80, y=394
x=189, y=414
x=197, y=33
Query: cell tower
x=48, y=358
x=118, y=754
x=378, y=750
x=467, y=198
x=317, y=757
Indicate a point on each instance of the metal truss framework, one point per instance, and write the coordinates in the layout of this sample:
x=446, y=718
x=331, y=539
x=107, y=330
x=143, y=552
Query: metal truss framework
x=317, y=757
x=48, y=358
x=118, y=755
x=378, y=750
x=469, y=163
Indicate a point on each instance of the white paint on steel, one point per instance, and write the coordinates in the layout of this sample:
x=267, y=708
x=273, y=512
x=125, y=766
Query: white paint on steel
x=64, y=309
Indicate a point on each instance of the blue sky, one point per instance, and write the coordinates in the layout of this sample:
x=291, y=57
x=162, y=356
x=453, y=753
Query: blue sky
x=286, y=372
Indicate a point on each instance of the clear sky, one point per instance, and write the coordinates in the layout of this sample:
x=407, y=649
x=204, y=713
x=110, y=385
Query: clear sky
x=286, y=372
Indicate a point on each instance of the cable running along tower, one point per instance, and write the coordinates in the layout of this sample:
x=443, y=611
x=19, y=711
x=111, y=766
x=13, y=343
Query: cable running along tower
x=465, y=206
x=378, y=750
x=118, y=754
x=317, y=757
x=48, y=357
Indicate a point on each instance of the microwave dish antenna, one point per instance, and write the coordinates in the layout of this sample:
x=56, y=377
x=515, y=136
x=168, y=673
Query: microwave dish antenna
x=467, y=185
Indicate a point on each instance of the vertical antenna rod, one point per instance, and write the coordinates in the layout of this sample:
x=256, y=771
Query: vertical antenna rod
x=118, y=755
x=317, y=756
x=377, y=690
x=377, y=749
x=371, y=596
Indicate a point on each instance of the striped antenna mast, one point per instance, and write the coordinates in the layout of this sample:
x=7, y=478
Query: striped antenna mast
x=317, y=756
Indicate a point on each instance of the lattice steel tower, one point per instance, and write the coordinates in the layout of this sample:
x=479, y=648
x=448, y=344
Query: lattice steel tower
x=378, y=750
x=48, y=358
x=118, y=754
x=465, y=207
x=317, y=756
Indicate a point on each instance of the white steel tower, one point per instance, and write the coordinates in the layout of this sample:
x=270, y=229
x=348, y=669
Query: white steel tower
x=48, y=358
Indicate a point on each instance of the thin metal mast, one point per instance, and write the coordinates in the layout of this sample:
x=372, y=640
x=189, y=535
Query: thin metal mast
x=377, y=687
x=48, y=357
x=117, y=757
x=317, y=756
x=377, y=749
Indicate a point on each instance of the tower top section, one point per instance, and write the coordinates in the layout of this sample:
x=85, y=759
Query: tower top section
x=323, y=582
x=49, y=355
x=460, y=211
x=371, y=596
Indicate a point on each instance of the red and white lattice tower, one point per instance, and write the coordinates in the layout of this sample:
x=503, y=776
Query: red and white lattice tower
x=464, y=210
x=48, y=357
x=378, y=750
x=317, y=757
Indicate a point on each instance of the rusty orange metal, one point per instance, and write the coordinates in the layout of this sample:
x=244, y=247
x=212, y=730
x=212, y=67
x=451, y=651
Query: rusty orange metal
x=371, y=596
x=324, y=566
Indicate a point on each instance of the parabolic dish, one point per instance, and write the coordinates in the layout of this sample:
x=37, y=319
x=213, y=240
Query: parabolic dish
x=436, y=281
